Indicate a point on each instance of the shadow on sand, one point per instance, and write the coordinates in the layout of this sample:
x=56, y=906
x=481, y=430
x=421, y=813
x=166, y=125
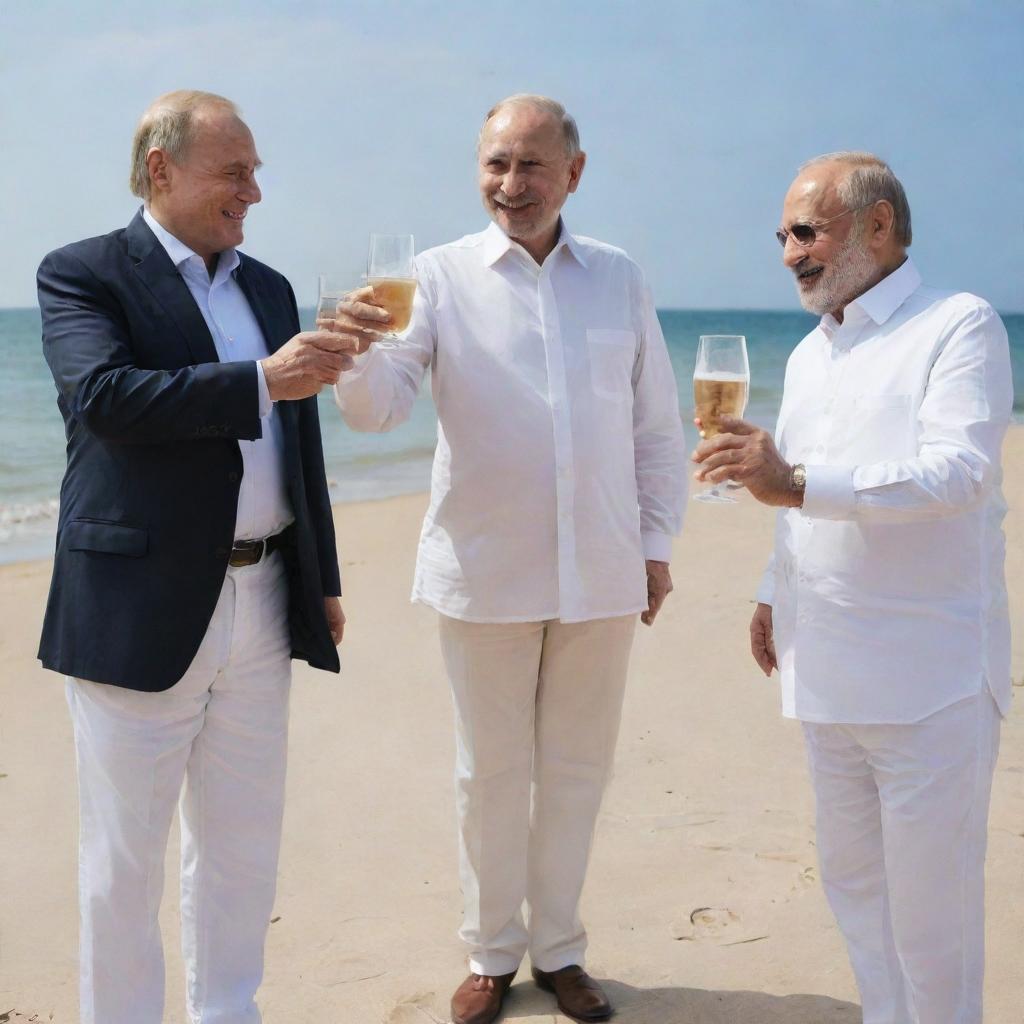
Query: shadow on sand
x=689, y=1006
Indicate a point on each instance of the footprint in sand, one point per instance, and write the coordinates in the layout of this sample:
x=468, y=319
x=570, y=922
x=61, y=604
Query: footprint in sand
x=709, y=924
x=416, y=1009
x=344, y=970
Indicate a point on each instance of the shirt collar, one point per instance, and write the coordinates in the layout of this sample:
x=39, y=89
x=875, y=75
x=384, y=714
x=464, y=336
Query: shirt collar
x=180, y=253
x=881, y=301
x=497, y=244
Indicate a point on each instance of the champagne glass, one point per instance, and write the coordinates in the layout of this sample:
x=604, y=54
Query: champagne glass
x=333, y=288
x=721, y=384
x=391, y=272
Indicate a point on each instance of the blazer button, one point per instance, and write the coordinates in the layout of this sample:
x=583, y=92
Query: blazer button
x=222, y=552
x=233, y=477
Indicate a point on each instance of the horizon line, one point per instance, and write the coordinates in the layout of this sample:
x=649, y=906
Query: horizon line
x=660, y=309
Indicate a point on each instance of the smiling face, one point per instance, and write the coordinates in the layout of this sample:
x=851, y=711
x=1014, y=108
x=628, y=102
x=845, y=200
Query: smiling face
x=841, y=264
x=526, y=174
x=203, y=198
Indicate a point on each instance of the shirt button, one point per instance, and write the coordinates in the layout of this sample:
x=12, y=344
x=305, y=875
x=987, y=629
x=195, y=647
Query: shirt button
x=819, y=449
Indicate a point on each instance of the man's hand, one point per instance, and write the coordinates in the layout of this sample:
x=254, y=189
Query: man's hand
x=659, y=586
x=747, y=454
x=335, y=618
x=762, y=639
x=303, y=365
x=359, y=320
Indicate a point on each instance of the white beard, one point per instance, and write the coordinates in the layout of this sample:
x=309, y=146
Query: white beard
x=841, y=281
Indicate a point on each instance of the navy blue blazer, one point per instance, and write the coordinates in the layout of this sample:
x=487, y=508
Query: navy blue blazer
x=148, y=501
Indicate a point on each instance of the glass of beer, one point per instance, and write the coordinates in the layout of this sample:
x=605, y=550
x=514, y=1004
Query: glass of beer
x=391, y=273
x=721, y=384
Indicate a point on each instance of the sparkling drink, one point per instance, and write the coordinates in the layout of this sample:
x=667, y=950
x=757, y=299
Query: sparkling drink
x=721, y=381
x=717, y=395
x=395, y=294
x=327, y=310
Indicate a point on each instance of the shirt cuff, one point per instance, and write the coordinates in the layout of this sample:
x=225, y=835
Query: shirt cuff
x=657, y=547
x=829, y=492
x=266, y=405
x=766, y=591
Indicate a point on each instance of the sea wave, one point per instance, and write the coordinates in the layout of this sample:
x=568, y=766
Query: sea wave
x=411, y=454
x=34, y=512
x=27, y=529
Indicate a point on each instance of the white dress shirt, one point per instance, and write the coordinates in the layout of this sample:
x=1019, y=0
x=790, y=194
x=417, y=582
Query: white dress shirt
x=560, y=464
x=264, y=507
x=887, y=587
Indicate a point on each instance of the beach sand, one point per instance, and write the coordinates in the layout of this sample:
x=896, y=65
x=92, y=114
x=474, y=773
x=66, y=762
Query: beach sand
x=703, y=902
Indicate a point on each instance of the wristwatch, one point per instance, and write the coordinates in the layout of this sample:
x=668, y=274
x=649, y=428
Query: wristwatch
x=798, y=477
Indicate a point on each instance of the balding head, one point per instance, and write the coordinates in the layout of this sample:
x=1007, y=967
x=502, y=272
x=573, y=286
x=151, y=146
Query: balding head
x=169, y=124
x=861, y=179
x=543, y=105
x=845, y=226
x=528, y=161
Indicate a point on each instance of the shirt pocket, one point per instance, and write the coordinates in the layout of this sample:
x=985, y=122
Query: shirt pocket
x=612, y=353
x=882, y=428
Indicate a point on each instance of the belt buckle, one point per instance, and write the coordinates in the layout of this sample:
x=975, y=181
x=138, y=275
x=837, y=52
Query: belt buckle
x=246, y=552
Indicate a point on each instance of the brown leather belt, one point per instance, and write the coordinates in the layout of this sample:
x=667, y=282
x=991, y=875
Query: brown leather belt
x=249, y=552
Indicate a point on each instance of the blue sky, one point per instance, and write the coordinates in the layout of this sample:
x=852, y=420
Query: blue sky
x=694, y=116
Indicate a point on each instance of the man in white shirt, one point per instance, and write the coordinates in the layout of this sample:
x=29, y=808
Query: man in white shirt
x=558, y=484
x=884, y=606
x=195, y=557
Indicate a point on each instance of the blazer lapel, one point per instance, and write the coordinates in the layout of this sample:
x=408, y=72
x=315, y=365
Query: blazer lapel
x=159, y=274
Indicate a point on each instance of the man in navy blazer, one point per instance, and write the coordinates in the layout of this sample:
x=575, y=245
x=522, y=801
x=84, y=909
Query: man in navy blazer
x=195, y=557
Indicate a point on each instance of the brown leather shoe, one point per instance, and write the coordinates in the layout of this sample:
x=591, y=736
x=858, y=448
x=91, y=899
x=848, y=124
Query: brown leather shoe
x=478, y=999
x=578, y=995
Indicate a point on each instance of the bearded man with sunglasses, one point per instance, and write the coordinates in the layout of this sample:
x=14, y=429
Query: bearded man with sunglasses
x=884, y=605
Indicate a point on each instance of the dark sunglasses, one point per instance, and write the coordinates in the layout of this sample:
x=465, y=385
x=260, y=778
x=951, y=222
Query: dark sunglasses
x=807, y=234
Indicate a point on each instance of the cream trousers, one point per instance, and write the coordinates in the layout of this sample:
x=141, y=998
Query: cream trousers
x=537, y=708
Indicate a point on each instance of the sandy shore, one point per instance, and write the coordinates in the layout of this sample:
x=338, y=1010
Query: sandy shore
x=703, y=902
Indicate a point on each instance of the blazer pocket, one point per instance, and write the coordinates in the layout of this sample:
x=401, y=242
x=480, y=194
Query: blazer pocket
x=612, y=354
x=109, y=538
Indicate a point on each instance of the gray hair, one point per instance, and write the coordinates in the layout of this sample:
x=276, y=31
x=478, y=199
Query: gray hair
x=169, y=123
x=547, y=106
x=870, y=179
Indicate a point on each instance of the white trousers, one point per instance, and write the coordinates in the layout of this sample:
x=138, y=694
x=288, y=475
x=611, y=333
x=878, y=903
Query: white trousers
x=537, y=704
x=223, y=730
x=902, y=816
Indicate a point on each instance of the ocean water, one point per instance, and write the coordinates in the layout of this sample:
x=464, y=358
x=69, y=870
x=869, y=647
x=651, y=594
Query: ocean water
x=359, y=466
